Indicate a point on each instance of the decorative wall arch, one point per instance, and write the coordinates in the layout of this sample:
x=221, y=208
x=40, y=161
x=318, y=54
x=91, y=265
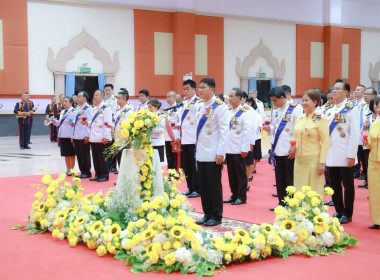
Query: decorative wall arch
x=261, y=50
x=374, y=74
x=80, y=41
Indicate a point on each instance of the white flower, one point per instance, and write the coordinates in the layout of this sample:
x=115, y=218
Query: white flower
x=137, y=250
x=326, y=216
x=107, y=237
x=199, y=237
x=86, y=236
x=160, y=238
x=61, y=236
x=289, y=235
x=328, y=238
x=95, y=234
x=99, y=241
x=228, y=235
x=124, y=234
x=316, y=211
x=182, y=255
x=215, y=257
x=63, y=204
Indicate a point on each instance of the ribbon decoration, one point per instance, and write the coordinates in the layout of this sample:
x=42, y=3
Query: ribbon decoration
x=237, y=115
x=121, y=115
x=97, y=114
x=334, y=123
x=186, y=111
x=204, y=118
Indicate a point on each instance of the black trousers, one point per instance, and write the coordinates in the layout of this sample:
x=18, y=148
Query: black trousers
x=171, y=157
x=111, y=162
x=365, y=163
x=24, y=134
x=327, y=176
x=210, y=179
x=30, y=131
x=339, y=175
x=284, y=172
x=189, y=167
x=101, y=169
x=82, y=151
x=237, y=176
x=53, y=132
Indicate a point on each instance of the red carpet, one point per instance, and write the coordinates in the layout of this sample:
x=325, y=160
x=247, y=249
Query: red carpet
x=42, y=257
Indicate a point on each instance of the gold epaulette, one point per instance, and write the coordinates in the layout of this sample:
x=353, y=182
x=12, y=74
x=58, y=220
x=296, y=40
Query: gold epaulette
x=363, y=104
x=349, y=105
x=218, y=101
x=293, y=104
x=229, y=107
x=258, y=101
x=87, y=105
x=243, y=109
x=199, y=100
x=246, y=107
x=328, y=106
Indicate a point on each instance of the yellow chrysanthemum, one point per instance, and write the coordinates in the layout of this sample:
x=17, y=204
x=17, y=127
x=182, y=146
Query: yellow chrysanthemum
x=253, y=255
x=318, y=229
x=328, y=191
x=306, y=189
x=291, y=190
x=148, y=234
x=266, y=251
x=301, y=237
x=293, y=202
x=177, y=232
x=79, y=221
x=169, y=259
x=299, y=195
x=315, y=201
x=140, y=223
x=266, y=228
x=46, y=179
x=70, y=193
x=101, y=250
x=288, y=225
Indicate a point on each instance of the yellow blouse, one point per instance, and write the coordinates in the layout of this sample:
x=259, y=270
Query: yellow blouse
x=312, y=136
x=374, y=141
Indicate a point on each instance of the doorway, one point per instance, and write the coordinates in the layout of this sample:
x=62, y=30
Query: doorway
x=263, y=88
x=88, y=84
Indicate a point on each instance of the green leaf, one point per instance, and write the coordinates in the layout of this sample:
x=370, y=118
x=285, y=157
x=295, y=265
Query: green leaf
x=33, y=231
x=18, y=227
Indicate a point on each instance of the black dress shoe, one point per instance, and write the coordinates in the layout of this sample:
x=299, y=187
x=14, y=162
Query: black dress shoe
x=212, y=223
x=202, y=221
x=83, y=176
x=193, y=195
x=364, y=185
x=374, y=227
x=115, y=184
x=272, y=209
x=274, y=195
x=250, y=178
x=337, y=215
x=329, y=203
x=27, y=147
x=231, y=199
x=274, y=185
x=95, y=179
x=102, y=179
x=187, y=192
x=361, y=177
x=345, y=220
x=239, y=202
x=248, y=188
x=112, y=170
x=116, y=172
x=356, y=175
x=22, y=148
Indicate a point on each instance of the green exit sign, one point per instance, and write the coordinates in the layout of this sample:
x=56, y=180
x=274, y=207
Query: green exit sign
x=262, y=75
x=85, y=69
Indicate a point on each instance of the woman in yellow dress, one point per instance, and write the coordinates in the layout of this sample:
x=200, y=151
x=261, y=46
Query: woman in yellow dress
x=311, y=132
x=373, y=143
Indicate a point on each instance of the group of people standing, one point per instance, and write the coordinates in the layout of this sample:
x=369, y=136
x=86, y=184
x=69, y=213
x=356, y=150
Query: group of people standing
x=202, y=133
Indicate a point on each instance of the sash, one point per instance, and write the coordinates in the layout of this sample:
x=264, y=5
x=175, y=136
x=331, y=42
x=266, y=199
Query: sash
x=97, y=114
x=271, y=159
x=120, y=116
x=203, y=120
x=237, y=115
x=64, y=117
x=186, y=111
x=79, y=114
x=334, y=123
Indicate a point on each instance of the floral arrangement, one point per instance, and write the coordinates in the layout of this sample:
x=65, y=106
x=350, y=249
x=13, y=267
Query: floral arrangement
x=157, y=233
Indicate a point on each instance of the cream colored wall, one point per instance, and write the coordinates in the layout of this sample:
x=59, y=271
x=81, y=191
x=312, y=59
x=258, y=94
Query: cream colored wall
x=369, y=54
x=51, y=25
x=242, y=35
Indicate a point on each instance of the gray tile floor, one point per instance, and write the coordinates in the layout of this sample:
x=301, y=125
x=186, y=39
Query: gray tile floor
x=42, y=155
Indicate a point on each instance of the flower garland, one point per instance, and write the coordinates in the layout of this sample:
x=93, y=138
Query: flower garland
x=136, y=130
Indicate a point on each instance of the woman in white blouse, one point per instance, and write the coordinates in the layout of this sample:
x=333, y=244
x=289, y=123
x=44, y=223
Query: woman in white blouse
x=65, y=129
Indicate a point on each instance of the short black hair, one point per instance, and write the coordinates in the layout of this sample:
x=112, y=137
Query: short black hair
x=286, y=88
x=209, y=81
x=277, y=92
x=85, y=94
x=374, y=101
x=346, y=86
x=70, y=99
x=220, y=96
x=191, y=83
x=324, y=98
x=145, y=92
x=374, y=91
x=108, y=85
x=253, y=103
x=244, y=95
x=154, y=102
x=124, y=92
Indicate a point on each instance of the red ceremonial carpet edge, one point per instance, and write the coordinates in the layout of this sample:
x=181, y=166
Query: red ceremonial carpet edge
x=41, y=257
